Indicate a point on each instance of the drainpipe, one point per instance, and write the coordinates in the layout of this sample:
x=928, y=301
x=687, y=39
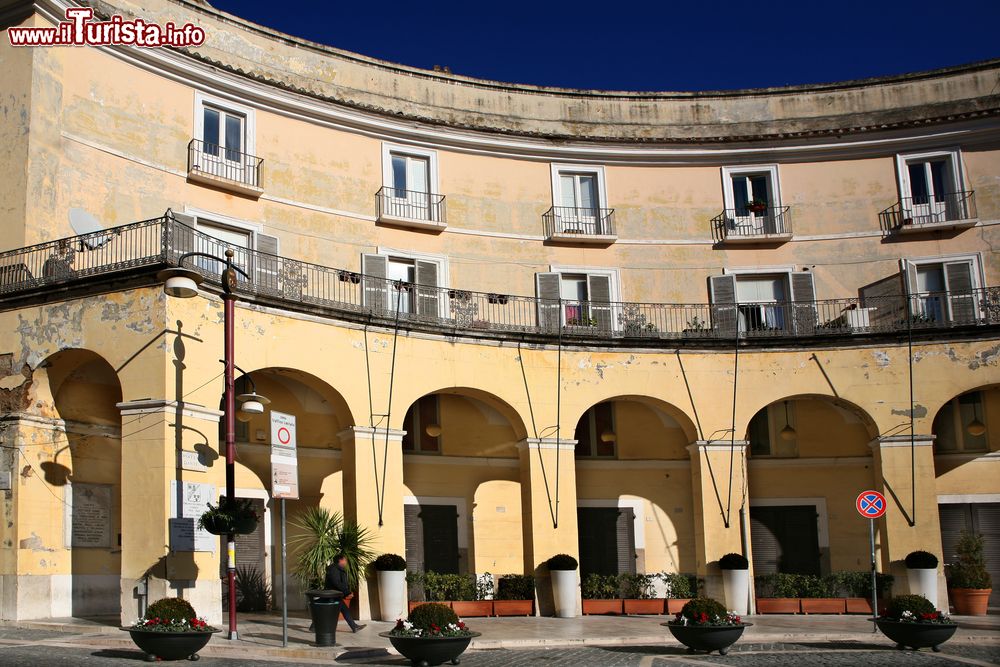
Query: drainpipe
x=745, y=544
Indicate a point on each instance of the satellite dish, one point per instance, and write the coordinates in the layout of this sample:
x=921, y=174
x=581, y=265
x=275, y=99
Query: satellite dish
x=85, y=224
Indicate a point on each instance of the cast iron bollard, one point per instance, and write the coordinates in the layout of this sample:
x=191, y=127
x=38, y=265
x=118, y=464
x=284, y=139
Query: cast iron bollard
x=324, y=607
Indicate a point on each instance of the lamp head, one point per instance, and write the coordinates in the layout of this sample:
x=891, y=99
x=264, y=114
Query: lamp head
x=180, y=282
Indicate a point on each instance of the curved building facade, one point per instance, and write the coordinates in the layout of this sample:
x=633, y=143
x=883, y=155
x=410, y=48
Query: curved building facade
x=644, y=329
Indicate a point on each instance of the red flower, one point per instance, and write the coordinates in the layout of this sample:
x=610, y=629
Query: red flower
x=704, y=617
x=399, y=624
x=461, y=625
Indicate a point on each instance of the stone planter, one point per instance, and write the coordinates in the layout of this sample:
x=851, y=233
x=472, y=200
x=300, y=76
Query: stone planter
x=823, y=605
x=564, y=591
x=674, y=605
x=970, y=601
x=778, y=606
x=472, y=608
x=924, y=581
x=647, y=607
x=707, y=638
x=170, y=645
x=513, y=607
x=736, y=584
x=917, y=635
x=429, y=651
x=391, y=594
x=602, y=607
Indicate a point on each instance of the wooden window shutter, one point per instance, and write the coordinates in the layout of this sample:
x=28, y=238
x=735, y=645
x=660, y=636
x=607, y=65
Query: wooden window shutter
x=428, y=295
x=375, y=268
x=547, y=291
x=764, y=543
x=723, y=295
x=625, y=533
x=268, y=263
x=886, y=298
x=413, y=534
x=958, y=277
x=803, y=302
x=986, y=521
x=599, y=294
x=182, y=235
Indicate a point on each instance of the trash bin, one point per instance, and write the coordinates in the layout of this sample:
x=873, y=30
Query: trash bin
x=324, y=607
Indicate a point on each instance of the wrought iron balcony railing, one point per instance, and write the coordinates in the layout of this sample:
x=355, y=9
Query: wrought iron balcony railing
x=146, y=246
x=395, y=204
x=917, y=213
x=572, y=223
x=753, y=224
x=218, y=162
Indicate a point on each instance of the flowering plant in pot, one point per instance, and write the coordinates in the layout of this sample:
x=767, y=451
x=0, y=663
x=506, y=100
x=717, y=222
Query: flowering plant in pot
x=921, y=574
x=431, y=635
x=911, y=620
x=736, y=581
x=170, y=630
x=969, y=582
x=391, y=572
x=562, y=567
x=704, y=624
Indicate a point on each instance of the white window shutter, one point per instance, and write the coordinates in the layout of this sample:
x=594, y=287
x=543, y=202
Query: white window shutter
x=268, y=263
x=375, y=269
x=961, y=299
x=428, y=294
x=547, y=291
x=182, y=235
x=723, y=295
x=599, y=294
x=803, y=302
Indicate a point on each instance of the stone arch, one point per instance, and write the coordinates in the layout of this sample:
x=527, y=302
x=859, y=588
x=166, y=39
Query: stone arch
x=504, y=406
x=647, y=418
x=986, y=410
x=849, y=412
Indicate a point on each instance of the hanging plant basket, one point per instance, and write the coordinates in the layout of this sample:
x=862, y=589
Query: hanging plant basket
x=237, y=518
x=215, y=523
x=244, y=524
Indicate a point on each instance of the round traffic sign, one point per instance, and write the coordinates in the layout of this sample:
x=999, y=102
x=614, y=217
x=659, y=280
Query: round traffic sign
x=284, y=435
x=871, y=504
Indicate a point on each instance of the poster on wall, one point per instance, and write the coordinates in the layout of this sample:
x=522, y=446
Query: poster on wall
x=188, y=501
x=89, y=512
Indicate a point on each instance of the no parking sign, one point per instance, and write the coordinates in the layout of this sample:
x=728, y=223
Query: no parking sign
x=871, y=504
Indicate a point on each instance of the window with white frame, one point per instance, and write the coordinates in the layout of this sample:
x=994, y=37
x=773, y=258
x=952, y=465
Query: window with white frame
x=960, y=425
x=224, y=134
x=942, y=289
x=218, y=233
x=409, y=183
x=762, y=301
x=752, y=199
x=407, y=282
x=931, y=189
x=579, y=200
x=576, y=297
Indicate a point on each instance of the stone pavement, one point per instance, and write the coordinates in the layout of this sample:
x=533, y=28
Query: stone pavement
x=773, y=641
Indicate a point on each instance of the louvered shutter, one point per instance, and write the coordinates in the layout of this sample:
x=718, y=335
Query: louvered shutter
x=428, y=295
x=803, y=303
x=599, y=293
x=960, y=296
x=764, y=544
x=723, y=294
x=375, y=269
x=413, y=532
x=182, y=236
x=268, y=264
x=625, y=534
x=912, y=287
x=986, y=521
x=886, y=299
x=547, y=291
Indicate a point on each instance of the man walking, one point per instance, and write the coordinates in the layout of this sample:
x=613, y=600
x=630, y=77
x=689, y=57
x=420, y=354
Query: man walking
x=336, y=579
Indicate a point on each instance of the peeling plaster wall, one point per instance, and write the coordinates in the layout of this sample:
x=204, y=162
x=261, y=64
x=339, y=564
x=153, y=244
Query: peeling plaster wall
x=15, y=121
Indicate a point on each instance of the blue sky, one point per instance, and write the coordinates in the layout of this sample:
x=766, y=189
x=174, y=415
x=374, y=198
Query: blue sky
x=650, y=45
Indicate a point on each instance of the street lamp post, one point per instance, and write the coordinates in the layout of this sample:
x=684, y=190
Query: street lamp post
x=183, y=283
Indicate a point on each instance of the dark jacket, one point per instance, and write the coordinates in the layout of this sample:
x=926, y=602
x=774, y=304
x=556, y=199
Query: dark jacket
x=336, y=579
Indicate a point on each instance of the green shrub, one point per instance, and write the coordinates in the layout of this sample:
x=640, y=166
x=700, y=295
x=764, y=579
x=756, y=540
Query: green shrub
x=777, y=585
x=171, y=609
x=734, y=562
x=915, y=604
x=637, y=586
x=969, y=571
x=562, y=562
x=921, y=560
x=698, y=606
x=430, y=614
x=441, y=587
x=600, y=587
x=389, y=563
x=516, y=587
x=811, y=586
x=679, y=586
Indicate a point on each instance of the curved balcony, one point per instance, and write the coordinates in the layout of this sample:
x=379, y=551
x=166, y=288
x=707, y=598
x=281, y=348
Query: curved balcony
x=138, y=249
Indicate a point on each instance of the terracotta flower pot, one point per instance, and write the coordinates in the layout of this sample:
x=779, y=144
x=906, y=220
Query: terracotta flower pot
x=823, y=605
x=513, y=607
x=778, y=606
x=674, y=605
x=472, y=608
x=970, y=601
x=647, y=607
x=597, y=607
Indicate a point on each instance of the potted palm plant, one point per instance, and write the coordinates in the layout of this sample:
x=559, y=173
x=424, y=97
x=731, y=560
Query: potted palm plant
x=911, y=620
x=391, y=572
x=921, y=574
x=170, y=630
x=969, y=582
x=562, y=567
x=432, y=635
x=736, y=582
x=705, y=625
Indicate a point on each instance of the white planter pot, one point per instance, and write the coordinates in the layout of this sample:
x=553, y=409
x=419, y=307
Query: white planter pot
x=392, y=595
x=924, y=581
x=564, y=592
x=737, y=587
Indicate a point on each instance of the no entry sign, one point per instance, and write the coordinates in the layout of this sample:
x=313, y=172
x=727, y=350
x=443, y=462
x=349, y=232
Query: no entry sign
x=284, y=456
x=871, y=504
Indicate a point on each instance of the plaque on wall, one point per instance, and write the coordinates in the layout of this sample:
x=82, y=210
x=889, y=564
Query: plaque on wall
x=90, y=516
x=188, y=501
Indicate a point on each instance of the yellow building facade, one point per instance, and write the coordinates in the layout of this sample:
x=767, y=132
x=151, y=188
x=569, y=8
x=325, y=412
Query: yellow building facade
x=510, y=321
